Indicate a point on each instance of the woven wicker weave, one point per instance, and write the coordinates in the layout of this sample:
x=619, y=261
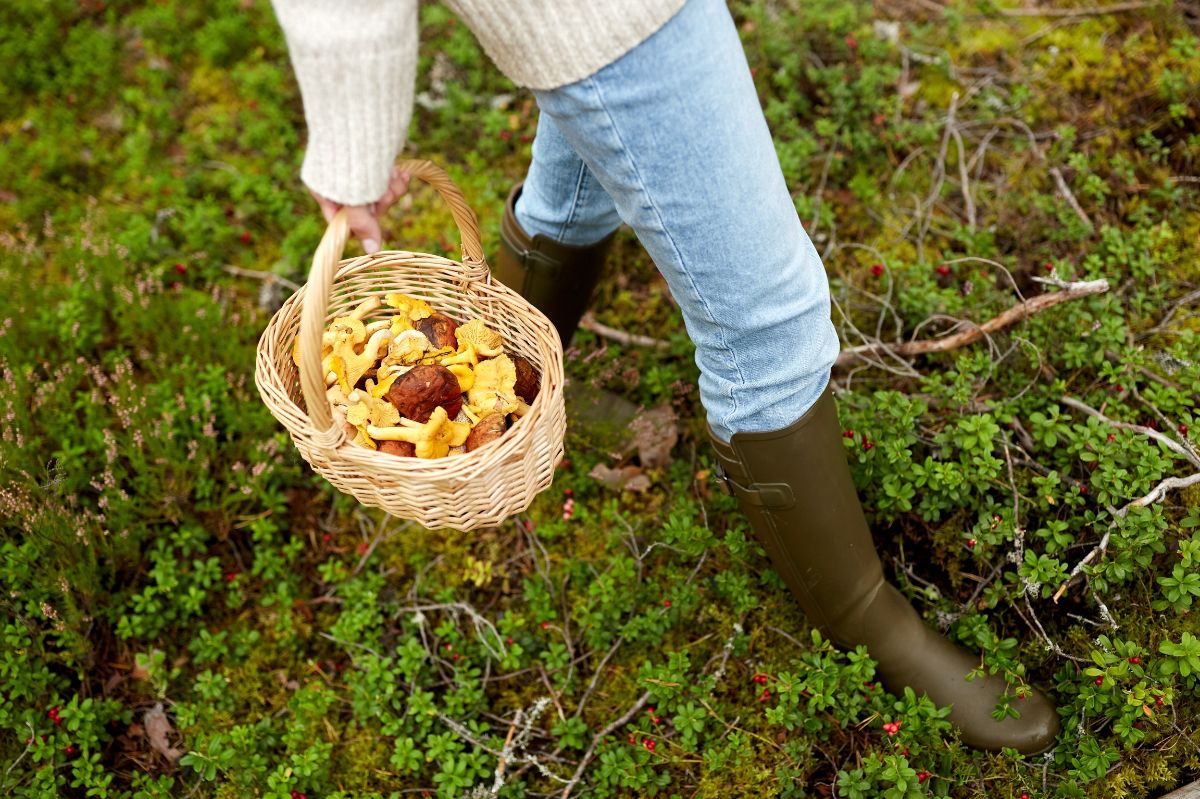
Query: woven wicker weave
x=462, y=491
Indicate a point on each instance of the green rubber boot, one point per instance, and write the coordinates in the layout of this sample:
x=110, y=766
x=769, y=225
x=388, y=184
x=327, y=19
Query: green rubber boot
x=795, y=488
x=558, y=279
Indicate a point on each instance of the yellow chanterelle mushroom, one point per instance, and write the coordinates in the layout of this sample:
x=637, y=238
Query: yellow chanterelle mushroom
x=409, y=309
x=432, y=439
x=486, y=342
x=495, y=387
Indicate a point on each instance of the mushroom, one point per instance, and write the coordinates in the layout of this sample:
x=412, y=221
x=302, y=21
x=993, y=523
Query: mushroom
x=432, y=439
x=420, y=390
x=528, y=380
x=466, y=378
x=486, y=342
x=407, y=348
x=410, y=309
x=349, y=366
x=330, y=335
x=402, y=449
x=439, y=329
x=487, y=429
x=493, y=388
x=363, y=409
x=344, y=327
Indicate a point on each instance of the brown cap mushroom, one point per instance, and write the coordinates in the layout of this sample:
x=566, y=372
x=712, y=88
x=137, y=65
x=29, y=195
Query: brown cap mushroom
x=529, y=382
x=422, y=389
x=439, y=329
x=486, y=430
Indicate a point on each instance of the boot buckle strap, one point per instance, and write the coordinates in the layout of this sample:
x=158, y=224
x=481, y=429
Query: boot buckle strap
x=770, y=496
x=537, y=262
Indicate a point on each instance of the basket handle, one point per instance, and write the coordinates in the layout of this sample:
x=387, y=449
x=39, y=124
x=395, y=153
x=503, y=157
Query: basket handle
x=324, y=267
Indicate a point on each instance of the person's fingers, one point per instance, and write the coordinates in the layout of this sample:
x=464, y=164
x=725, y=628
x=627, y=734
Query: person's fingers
x=328, y=207
x=365, y=226
x=397, y=186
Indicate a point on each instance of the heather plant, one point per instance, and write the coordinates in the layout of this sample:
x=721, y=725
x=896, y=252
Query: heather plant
x=188, y=611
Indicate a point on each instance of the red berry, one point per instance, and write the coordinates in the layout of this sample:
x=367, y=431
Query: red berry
x=180, y=269
x=230, y=576
x=1183, y=428
x=632, y=738
x=1158, y=700
x=765, y=695
x=505, y=135
x=69, y=750
x=545, y=624
x=922, y=776
x=848, y=434
x=455, y=656
x=867, y=445
x=852, y=43
x=299, y=795
x=877, y=269
x=1100, y=680
x=648, y=743
x=971, y=543
x=666, y=603
x=1111, y=436
x=568, y=492
x=508, y=640
x=447, y=646
x=1024, y=795
x=1135, y=660
x=245, y=237
x=656, y=719
x=52, y=713
x=943, y=270
x=1082, y=489
x=327, y=537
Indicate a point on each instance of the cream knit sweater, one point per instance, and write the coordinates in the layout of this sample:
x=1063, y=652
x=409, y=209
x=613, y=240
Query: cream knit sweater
x=355, y=61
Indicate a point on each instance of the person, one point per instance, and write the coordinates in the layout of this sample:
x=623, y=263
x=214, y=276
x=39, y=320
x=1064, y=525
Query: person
x=648, y=116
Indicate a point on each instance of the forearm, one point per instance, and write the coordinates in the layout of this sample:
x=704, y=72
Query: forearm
x=355, y=62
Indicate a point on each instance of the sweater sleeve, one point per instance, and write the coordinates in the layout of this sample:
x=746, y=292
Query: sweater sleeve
x=356, y=63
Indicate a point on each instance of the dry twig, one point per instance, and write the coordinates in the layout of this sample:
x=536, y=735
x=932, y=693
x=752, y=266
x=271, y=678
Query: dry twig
x=589, y=323
x=1156, y=494
x=1115, y=8
x=1170, y=444
x=1020, y=311
x=587, y=756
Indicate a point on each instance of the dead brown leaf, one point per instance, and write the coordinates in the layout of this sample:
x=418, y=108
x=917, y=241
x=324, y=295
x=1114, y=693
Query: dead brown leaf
x=626, y=478
x=654, y=435
x=158, y=727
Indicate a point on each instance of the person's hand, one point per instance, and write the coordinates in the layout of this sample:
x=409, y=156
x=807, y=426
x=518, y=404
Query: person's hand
x=364, y=219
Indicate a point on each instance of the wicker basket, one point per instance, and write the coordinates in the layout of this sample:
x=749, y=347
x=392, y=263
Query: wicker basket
x=462, y=491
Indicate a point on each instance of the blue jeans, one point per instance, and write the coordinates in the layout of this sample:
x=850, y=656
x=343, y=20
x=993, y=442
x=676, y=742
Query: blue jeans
x=670, y=139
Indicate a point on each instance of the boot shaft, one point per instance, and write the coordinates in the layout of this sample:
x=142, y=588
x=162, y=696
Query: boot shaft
x=558, y=279
x=795, y=489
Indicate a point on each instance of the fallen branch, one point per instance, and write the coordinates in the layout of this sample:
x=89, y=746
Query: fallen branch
x=1156, y=494
x=1020, y=311
x=1115, y=8
x=1167, y=442
x=268, y=277
x=589, y=323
